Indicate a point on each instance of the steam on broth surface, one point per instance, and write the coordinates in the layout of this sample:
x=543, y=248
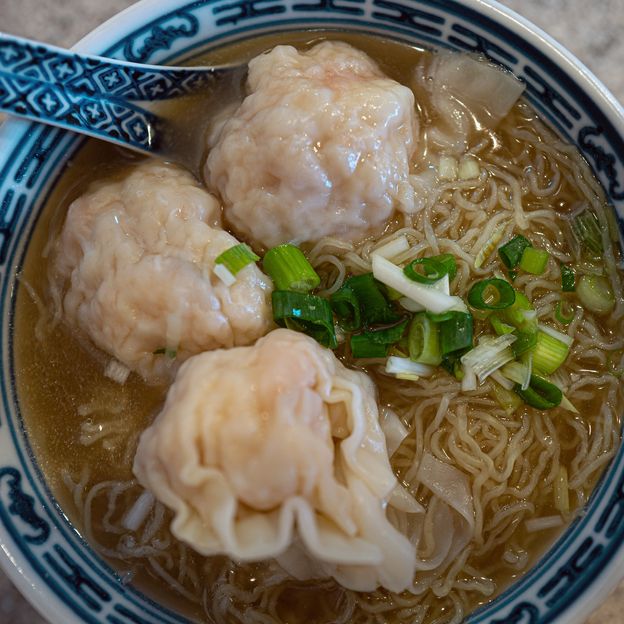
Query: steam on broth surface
x=520, y=465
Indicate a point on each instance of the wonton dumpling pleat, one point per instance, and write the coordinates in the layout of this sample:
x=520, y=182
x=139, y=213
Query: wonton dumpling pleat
x=321, y=146
x=134, y=263
x=261, y=448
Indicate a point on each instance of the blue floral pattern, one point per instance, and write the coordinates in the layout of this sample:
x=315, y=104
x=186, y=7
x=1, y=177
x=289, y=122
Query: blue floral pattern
x=78, y=578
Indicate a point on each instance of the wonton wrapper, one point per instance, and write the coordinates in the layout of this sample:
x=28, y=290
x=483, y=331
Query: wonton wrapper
x=265, y=449
x=134, y=271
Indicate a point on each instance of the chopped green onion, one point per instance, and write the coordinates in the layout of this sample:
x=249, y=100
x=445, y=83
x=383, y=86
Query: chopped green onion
x=549, y=354
x=564, y=316
x=404, y=368
x=392, y=249
x=363, y=346
x=586, y=230
x=451, y=363
x=224, y=274
x=424, y=340
x=433, y=269
x=449, y=263
x=456, y=333
x=499, y=327
x=595, y=294
x=469, y=168
x=518, y=372
x=489, y=355
x=507, y=399
x=388, y=335
x=526, y=340
x=237, y=257
x=306, y=313
x=511, y=253
x=364, y=306
x=447, y=170
x=428, y=296
x=534, y=260
x=562, y=491
x=289, y=269
x=438, y=318
x=541, y=394
x=567, y=278
x=345, y=304
x=516, y=313
x=392, y=295
x=491, y=294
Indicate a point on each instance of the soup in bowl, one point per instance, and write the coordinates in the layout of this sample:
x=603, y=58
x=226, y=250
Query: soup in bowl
x=367, y=368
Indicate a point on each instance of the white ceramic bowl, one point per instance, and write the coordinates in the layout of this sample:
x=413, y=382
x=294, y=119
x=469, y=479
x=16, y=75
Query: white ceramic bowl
x=41, y=552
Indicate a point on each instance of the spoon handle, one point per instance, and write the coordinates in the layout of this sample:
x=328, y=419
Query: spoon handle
x=90, y=94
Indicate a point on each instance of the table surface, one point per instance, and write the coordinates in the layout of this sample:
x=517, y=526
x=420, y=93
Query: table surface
x=594, y=36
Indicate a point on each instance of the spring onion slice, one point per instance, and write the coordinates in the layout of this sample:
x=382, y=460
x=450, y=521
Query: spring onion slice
x=224, y=274
x=456, y=333
x=526, y=340
x=345, y=304
x=595, y=293
x=424, y=340
x=541, y=394
x=549, y=353
x=373, y=307
x=402, y=367
x=501, y=380
x=534, y=260
x=491, y=294
x=388, y=335
x=363, y=346
x=429, y=297
x=586, y=230
x=469, y=379
x=568, y=278
x=499, y=327
x=511, y=253
x=567, y=340
x=506, y=398
x=392, y=249
x=517, y=372
x=515, y=314
x=289, y=269
x=306, y=313
x=489, y=355
x=564, y=312
x=237, y=257
x=433, y=269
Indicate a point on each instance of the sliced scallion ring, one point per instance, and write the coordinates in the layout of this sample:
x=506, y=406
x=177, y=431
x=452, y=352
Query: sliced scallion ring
x=306, y=313
x=346, y=305
x=456, y=333
x=564, y=312
x=424, y=340
x=541, y=394
x=525, y=341
x=491, y=294
x=424, y=271
x=568, y=278
x=534, y=260
x=510, y=253
x=236, y=258
x=289, y=269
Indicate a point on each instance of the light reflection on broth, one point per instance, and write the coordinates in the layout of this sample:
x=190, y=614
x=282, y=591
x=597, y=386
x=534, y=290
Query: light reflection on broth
x=84, y=427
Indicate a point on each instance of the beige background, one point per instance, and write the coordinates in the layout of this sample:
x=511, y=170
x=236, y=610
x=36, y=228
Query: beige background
x=592, y=29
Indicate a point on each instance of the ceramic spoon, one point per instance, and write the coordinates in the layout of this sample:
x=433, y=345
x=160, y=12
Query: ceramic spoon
x=147, y=108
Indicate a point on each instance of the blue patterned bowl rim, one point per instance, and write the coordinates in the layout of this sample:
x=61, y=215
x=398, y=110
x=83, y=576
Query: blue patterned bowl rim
x=41, y=552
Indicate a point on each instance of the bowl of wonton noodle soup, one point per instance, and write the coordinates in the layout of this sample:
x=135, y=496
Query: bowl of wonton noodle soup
x=366, y=369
